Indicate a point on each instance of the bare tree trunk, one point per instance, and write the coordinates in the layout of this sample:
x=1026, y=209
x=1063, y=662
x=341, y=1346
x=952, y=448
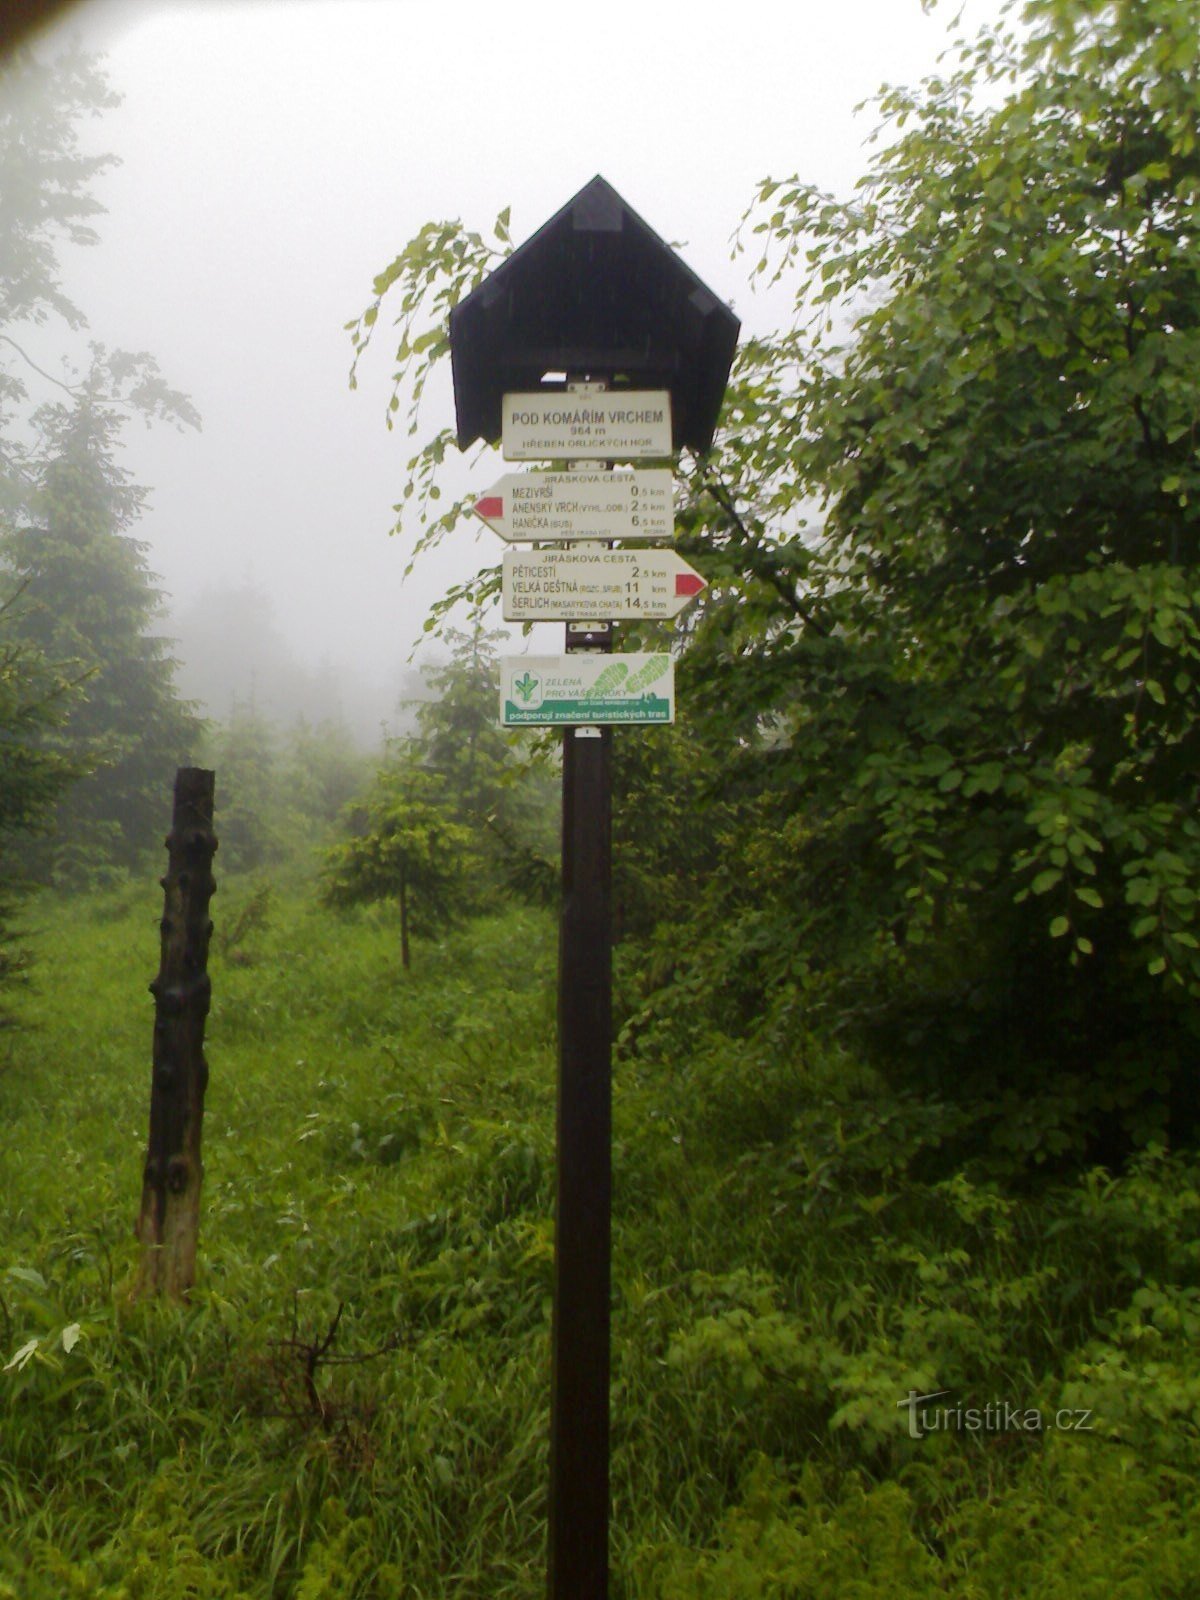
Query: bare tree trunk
x=169, y=1221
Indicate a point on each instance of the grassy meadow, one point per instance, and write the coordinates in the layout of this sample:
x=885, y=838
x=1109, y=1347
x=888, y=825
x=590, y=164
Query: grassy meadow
x=355, y=1401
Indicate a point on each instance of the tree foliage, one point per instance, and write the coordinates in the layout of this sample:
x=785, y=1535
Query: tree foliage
x=48, y=203
x=404, y=846
x=44, y=199
x=46, y=178
x=34, y=700
x=945, y=677
x=485, y=769
x=458, y=813
x=978, y=682
x=280, y=790
x=88, y=605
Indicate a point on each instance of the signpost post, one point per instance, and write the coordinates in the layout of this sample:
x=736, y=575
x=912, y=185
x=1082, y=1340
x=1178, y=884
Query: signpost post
x=594, y=293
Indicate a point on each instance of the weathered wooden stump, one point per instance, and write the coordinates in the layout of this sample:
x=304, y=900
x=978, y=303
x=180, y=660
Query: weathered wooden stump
x=169, y=1221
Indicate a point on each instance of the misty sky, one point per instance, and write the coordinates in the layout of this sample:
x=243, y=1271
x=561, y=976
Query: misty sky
x=277, y=153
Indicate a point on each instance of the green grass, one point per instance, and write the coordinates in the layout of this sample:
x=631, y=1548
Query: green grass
x=379, y=1150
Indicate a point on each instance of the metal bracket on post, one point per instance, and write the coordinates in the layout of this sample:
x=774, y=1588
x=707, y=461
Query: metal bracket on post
x=592, y=636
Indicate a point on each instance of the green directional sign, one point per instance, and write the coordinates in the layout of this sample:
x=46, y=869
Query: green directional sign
x=548, y=691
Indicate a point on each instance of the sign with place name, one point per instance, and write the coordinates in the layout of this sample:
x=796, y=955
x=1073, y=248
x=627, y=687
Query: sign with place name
x=590, y=585
x=560, y=506
x=542, y=691
x=608, y=425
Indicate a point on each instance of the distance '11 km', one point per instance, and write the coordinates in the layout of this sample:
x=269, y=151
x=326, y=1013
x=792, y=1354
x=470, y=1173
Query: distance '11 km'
x=580, y=585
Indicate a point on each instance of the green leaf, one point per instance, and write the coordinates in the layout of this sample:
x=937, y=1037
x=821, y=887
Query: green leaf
x=21, y=1357
x=29, y=1275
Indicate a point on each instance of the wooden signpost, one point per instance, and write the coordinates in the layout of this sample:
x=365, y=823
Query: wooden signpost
x=595, y=294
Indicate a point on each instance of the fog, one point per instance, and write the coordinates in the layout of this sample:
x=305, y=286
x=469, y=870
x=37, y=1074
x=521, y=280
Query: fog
x=275, y=156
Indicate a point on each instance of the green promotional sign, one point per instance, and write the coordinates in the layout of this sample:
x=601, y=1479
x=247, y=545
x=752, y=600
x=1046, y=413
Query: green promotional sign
x=548, y=691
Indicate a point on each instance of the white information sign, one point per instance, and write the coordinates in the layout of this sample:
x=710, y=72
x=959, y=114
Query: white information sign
x=608, y=425
x=560, y=506
x=542, y=691
x=589, y=585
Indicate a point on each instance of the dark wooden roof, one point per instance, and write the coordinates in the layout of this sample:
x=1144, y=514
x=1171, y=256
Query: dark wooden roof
x=594, y=293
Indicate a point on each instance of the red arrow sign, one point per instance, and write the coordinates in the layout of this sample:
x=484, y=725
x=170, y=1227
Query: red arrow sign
x=562, y=507
x=544, y=585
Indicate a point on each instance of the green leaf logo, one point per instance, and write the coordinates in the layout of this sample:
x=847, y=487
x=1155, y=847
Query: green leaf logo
x=526, y=687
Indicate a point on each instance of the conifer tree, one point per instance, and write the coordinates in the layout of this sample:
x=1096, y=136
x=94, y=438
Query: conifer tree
x=87, y=605
x=90, y=604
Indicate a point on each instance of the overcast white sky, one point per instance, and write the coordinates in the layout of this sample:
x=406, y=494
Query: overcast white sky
x=277, y=153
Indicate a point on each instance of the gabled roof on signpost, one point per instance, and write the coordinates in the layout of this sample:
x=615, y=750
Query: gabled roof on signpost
x=594, y=293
